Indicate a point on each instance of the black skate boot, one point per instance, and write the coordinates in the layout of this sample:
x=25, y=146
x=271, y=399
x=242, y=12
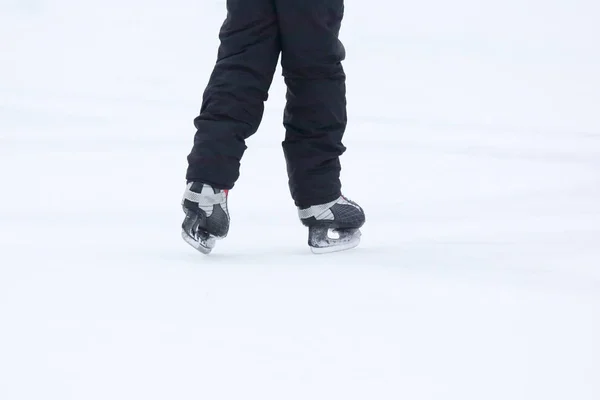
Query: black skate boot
x=333, y=226
x=206, y=216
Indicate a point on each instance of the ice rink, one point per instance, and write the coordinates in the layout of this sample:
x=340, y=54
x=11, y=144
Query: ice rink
x=473, y=145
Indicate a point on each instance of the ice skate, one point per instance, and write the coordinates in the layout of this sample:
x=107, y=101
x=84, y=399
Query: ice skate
x=333, y=226
x=206, y=216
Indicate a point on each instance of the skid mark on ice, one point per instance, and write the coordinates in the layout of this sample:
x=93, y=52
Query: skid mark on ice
x=479, y=128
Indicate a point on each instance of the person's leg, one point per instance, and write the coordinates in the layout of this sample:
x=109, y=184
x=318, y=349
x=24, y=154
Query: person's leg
x=232, y=110
x=315, y=114
x=233, y=102
x=315, y=121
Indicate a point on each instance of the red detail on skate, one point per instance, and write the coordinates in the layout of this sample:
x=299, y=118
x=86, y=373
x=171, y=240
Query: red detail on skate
x=226, y=192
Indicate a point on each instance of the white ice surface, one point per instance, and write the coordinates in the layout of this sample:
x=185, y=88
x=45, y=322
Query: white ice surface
x=473, y=145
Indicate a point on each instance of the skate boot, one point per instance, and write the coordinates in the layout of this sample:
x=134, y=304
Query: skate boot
x=333, y=226
x=206, y=216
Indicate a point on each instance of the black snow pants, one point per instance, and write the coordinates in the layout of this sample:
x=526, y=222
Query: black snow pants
x=255, y=33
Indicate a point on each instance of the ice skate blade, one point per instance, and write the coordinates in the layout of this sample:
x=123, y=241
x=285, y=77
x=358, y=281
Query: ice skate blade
x=203, y=246
x=336, y=248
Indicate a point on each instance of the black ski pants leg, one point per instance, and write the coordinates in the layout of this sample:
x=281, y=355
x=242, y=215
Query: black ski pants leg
x=252, y=37
x=315, y=114
x=233, y=101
